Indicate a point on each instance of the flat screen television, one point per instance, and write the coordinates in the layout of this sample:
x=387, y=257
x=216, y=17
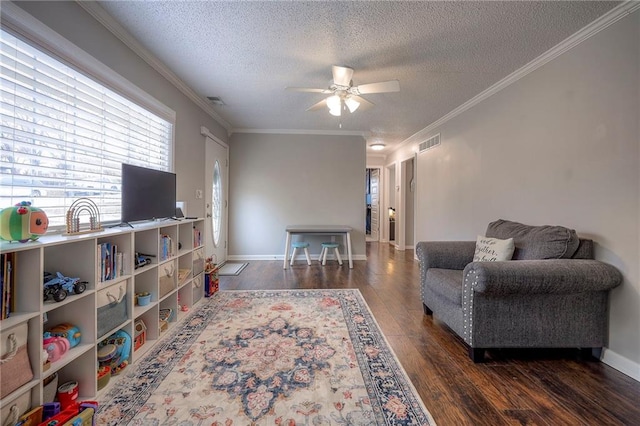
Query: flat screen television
x=147, y=194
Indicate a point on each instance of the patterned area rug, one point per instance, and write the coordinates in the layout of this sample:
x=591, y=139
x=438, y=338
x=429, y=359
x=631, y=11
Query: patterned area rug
x=290, y=357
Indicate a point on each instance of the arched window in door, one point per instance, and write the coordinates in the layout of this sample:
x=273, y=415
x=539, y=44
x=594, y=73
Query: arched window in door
x=216, y=201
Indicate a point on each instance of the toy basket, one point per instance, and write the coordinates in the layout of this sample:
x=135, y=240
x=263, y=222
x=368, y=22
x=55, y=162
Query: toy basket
x=165, y=316
x=112, y=308
x=15, y=367
x=50, y=388
x=10, y=413
x=198, y=261
x=167, y=279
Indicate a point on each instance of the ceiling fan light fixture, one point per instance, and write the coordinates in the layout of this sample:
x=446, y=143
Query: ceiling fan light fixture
x=335, y=105
x=352, y=104
x=377, y=146
x=333, y=102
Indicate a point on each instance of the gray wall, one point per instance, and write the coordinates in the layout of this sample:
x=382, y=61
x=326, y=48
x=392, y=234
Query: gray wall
x=72, y=22
x=560, y=146
x=279, y=180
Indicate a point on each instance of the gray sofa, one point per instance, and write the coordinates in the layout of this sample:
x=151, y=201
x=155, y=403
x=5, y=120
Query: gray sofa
x=551, y=295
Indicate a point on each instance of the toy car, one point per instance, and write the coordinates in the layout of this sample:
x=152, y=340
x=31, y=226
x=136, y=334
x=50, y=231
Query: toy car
x=142, y=260
x=57, y=287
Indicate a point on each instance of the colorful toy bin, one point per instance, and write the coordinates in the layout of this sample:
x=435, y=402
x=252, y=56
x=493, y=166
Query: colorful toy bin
x=22, y=222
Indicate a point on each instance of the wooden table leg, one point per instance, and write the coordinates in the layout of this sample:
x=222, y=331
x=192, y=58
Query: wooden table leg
x=287, y=247
x=349, y=250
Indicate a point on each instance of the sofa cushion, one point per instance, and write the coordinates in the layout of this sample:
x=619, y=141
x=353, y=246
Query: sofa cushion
x=493, y=249
x=536, y=242
x=446, y=283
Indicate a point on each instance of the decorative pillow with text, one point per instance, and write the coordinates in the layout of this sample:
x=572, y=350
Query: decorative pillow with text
x=493, y=249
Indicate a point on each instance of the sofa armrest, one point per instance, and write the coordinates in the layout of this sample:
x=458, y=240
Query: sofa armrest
x=445, y=254
x=559, y=276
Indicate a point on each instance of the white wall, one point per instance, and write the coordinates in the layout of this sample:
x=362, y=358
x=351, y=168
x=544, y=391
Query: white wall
x=560, y=146
x=72, y=22
x=279, y=180
x=376, y=161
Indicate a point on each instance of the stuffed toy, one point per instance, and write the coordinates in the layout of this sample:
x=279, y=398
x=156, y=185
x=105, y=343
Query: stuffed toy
x=22, y=222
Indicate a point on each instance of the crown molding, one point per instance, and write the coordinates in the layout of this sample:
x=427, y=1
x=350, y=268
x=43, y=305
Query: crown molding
x=302, y=132
x=609, y=18
x=95, y=10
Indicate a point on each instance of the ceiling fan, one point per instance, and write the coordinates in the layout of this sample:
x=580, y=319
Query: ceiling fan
x=344, y=95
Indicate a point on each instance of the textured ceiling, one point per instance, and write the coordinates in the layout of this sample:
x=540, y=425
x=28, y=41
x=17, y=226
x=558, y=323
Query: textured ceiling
x=443, y=54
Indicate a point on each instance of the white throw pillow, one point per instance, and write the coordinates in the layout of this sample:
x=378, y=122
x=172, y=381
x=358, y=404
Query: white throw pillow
x=493, y=249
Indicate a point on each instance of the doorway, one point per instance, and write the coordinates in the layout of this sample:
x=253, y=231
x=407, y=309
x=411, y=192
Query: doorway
x=216, y=206
x=372, y=199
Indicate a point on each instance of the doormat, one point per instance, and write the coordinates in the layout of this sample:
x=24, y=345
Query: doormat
x=232, y=269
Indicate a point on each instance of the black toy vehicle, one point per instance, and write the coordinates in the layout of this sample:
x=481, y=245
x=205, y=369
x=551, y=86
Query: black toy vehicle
x=57, y=286
x=142, y=260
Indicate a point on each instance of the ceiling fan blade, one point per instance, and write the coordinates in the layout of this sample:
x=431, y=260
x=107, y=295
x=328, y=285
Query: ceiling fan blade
x=317, y=106
x=364, y=104
x=307, y=89
x=381, y=87
x=342, y=75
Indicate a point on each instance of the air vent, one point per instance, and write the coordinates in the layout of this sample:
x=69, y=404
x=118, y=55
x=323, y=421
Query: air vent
x=429, y=143
x=215, y=100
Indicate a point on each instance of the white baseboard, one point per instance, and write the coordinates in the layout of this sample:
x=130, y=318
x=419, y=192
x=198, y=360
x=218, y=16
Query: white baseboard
x=402, y=248
x=281, y=257
x=622, y=364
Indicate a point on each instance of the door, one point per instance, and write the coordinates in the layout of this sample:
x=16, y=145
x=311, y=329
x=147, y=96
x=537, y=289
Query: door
x=375, y=204
x=216, y=206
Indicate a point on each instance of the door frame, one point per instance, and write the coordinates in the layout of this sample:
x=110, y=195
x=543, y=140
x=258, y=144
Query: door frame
x=391, y=200
x=380, y=200
x=405, y=193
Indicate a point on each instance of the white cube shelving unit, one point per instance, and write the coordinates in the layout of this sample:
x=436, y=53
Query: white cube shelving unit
x=78, y=256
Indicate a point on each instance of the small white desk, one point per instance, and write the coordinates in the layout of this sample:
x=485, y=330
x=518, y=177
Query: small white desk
x=318, y=230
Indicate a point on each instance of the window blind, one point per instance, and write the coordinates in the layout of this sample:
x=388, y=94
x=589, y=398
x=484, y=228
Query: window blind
x=65, y=136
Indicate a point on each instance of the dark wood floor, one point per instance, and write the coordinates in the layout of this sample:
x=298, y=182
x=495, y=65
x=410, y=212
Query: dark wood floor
x=511, y=388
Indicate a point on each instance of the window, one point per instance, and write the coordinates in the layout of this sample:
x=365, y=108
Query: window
x=65, y=136
x=216, y=199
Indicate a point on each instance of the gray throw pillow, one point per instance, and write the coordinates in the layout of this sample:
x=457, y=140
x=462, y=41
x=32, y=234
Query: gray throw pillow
x=536, y=242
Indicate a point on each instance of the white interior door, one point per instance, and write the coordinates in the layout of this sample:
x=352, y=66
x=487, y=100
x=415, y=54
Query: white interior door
x=216, y=205
x=375, y=204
